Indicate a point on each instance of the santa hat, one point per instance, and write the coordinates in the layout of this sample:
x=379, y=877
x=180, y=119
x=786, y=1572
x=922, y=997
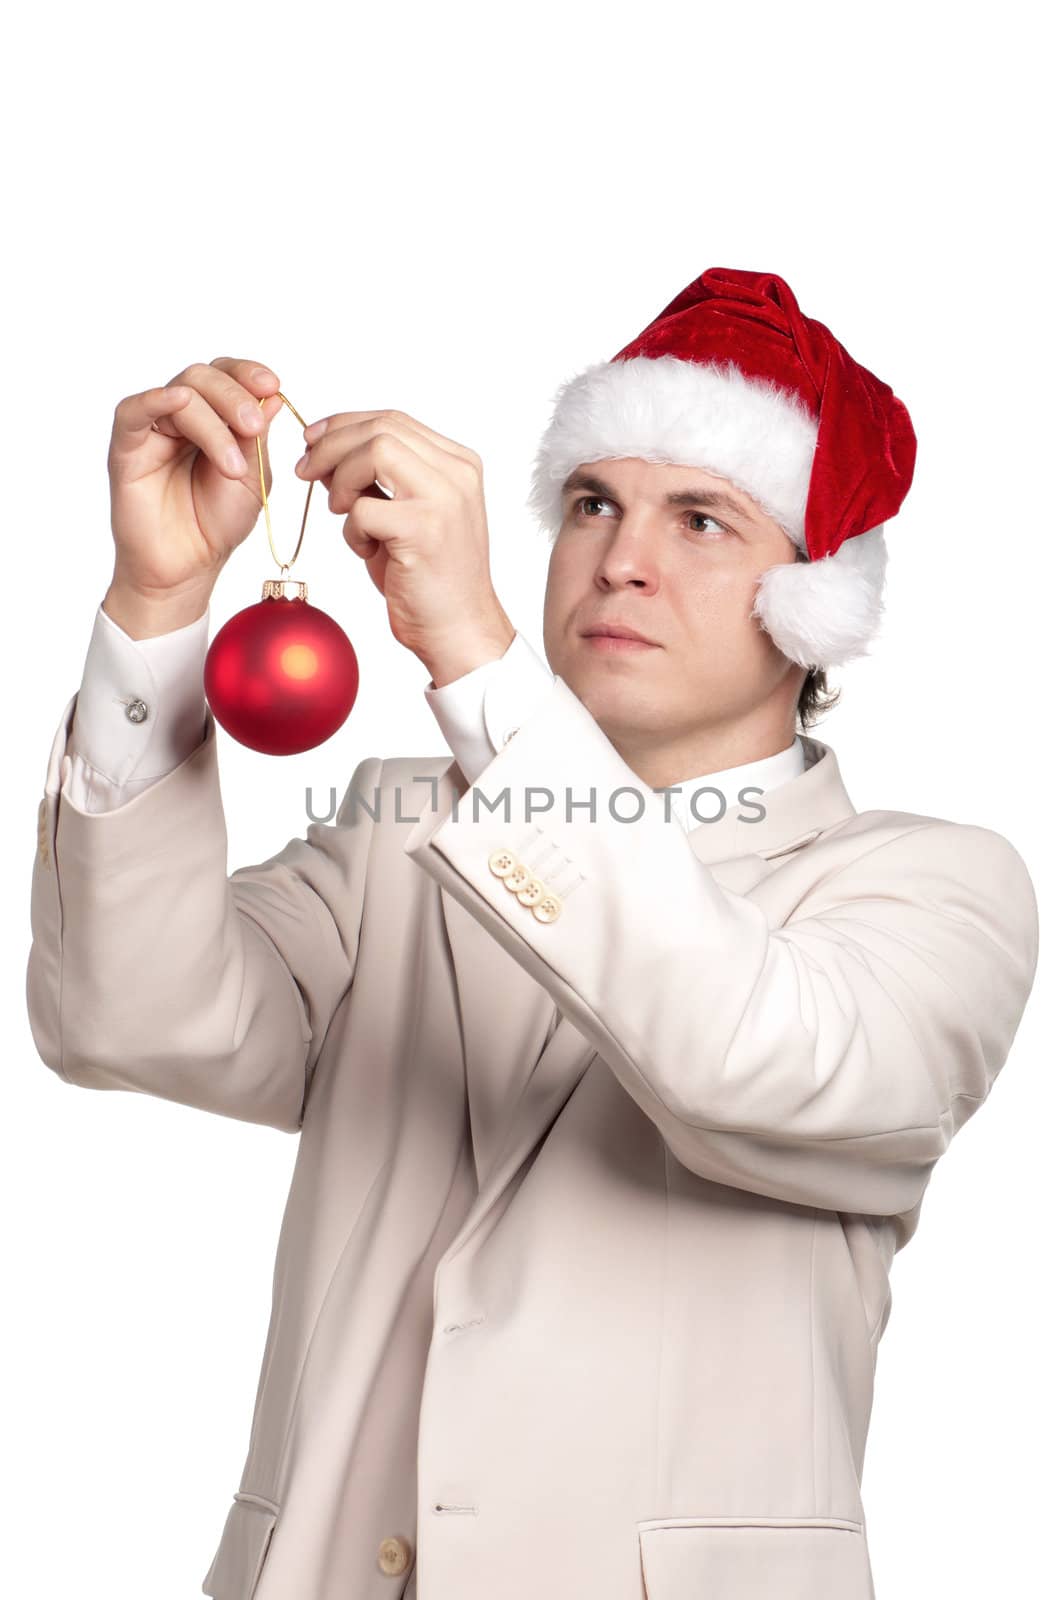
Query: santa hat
x=733, y=378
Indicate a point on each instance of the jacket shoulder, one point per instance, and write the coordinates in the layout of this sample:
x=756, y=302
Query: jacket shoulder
x=402, y=769
x=935, y=852
x=876, y=828
x=392, y=788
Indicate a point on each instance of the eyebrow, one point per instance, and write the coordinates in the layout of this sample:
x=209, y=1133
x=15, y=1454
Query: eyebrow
x=715, y=499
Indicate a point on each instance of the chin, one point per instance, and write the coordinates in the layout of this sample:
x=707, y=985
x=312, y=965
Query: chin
x=616, y=699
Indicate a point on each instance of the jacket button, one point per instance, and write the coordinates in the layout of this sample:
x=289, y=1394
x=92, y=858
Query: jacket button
x=548, y=908
x=532, y=892
x=517, y=878
x=502, y=862
x=136, y=710
x=394, y=1555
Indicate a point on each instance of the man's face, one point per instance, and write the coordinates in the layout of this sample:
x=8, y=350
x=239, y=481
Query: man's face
x=682, y=571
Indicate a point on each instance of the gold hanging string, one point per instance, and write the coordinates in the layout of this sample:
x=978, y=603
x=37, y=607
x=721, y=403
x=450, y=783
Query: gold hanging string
x=285, y=566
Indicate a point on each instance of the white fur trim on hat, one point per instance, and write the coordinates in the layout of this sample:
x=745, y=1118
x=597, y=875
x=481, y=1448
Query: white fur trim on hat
x=747, y=430
x=758, y=436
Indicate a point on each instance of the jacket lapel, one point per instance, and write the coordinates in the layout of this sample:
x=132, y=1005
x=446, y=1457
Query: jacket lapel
x=505, y=1019
x=523, y=1059
x=795, y=813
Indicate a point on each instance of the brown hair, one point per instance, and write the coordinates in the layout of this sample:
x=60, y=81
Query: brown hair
x=816, y=696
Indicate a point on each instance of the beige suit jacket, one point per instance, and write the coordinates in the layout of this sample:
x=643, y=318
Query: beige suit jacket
x=609, y=1133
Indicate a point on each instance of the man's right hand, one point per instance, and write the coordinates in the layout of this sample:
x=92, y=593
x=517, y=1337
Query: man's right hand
x=185, y=495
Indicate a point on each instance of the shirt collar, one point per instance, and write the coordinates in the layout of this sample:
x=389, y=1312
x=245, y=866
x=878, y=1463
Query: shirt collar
x=703, y=800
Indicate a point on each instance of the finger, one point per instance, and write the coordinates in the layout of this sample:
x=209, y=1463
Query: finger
x=221, y=412
x=398, y=422
x=371, y=523
x=362, y=544
x=259, y=381
x=235, y=401
x=270, y=406
x=359, y=455
x=255, y=377
x=135, y=415
x=391, y=462
x=198, y=422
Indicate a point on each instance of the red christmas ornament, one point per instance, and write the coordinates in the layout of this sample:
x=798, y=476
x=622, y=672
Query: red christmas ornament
x=281, y=676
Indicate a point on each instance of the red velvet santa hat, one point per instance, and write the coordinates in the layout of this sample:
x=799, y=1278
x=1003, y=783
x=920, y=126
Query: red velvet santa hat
x=733, y=378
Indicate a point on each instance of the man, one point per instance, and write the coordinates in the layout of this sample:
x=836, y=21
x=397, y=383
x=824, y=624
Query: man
x=621, y=1046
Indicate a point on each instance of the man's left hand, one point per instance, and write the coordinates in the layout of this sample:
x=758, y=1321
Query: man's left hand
x=426, y=547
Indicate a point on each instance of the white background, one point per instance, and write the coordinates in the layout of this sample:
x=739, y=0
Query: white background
x=450, y=209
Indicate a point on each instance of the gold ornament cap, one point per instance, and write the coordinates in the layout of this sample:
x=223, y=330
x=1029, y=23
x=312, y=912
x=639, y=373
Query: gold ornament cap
x=273, y=589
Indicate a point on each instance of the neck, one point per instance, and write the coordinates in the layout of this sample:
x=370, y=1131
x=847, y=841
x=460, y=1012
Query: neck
x=763, y=731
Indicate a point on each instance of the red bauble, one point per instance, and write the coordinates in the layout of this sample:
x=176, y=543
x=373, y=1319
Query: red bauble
x=281, y=676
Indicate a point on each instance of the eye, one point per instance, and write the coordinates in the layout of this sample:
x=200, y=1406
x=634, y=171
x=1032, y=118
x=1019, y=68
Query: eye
x=600, y=500
x=592, y=500
x=704, y=515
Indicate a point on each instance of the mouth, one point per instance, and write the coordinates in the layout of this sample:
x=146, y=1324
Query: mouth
x=610, y=638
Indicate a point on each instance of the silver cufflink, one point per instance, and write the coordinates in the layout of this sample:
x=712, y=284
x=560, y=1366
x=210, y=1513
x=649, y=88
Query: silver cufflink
x=136, y=710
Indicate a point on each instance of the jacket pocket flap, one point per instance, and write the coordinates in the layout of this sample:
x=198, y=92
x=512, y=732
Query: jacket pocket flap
x=237, y=1565
x=802, y=1558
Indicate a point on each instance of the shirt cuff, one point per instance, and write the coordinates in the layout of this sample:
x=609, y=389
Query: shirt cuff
x=480, y=711
x=165, y=675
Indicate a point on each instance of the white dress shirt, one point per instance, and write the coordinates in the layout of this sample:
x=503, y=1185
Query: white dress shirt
x=141, y=711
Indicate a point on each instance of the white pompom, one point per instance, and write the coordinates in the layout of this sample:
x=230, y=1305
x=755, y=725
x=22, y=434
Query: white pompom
x=823, y=613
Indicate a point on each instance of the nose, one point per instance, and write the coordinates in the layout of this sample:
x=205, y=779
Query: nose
x=628, y=558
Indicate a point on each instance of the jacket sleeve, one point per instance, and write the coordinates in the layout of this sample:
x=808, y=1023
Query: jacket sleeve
x=151, y=969
x=826, y=1061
